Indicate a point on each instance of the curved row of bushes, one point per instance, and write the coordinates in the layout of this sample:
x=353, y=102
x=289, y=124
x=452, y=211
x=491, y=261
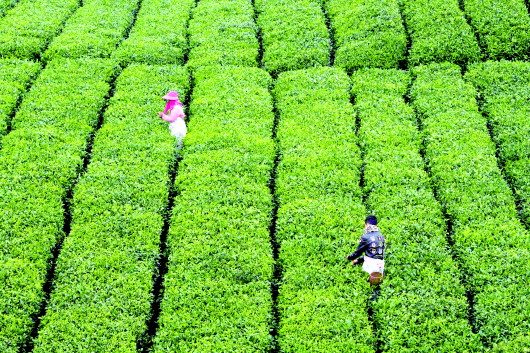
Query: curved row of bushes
x=223, y=32
x=439, y=32
x=367, y=33
x=159, y=35
x=15, y=76
x=503, y=27
x=39, y=162
x=26, y=29
x=504, y=92
x=94, y=30
x=322, y=300
x=422, y=307
x=488, y=235
x=103, y=286
x=217, y=290
x=294, y=35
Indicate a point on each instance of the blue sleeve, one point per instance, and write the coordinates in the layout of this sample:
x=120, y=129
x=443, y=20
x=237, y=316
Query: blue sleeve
x=363, y=246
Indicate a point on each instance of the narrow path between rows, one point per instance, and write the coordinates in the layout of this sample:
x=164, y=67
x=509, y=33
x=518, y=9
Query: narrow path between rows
x=362, y=184
x=131, y=25
x=145, y=343
x=275, y=246
x=27, y=88
x=481, y=45
x=333, y=48
x=259, y=35
x=404, y=64
x=277, y=270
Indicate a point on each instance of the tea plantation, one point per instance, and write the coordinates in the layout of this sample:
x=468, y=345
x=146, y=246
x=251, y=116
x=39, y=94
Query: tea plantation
x=303, y=117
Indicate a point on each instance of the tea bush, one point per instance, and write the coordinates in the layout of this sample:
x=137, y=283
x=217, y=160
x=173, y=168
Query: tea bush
x=39, y=162
x=439, y=32
x=423, y=290
x=158, y=35
x=15, y=78
x=367, y=33
x=504, y=92
x=103, y=287
x=94, y=30
x=294, y=34
x=223, y=32
x=322, y=302
x=503, y=27
x=217, y=290
x=6, y=5
x=27, y=29
x=469, y=183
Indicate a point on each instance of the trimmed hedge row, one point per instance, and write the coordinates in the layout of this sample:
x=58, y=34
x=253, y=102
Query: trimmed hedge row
x=15, y=77
x=518, y=345
x=40, y=159
x=217, y=290
x=223, y=32
x=159, y=35
x=26, y=29
x=294, y=35
x=322, y=300
x=469, y=183
x=103, y=286
x=504, y=90
x=439, y=32
x=422, y=307
x=94, y=30
x=367, y=33
x=503, y=27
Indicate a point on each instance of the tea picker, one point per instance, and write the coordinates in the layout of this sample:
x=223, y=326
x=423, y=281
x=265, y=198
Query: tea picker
x=372, y=244
x=174, y=114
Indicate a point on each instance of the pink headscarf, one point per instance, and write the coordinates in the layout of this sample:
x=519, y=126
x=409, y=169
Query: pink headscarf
x=172, y=100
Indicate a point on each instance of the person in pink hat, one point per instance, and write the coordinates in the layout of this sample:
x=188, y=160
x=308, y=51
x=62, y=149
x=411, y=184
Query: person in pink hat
x=174, y=114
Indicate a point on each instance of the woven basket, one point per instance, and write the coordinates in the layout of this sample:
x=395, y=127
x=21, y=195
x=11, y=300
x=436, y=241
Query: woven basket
x=375, y=278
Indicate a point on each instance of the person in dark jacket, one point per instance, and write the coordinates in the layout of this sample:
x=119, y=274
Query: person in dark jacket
x=372, y=245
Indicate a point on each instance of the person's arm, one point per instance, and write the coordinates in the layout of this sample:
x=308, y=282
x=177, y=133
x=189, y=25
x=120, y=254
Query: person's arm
x=363, y=245
x=168, y=117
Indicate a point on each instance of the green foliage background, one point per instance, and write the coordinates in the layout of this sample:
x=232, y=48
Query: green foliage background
x=304, y=116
